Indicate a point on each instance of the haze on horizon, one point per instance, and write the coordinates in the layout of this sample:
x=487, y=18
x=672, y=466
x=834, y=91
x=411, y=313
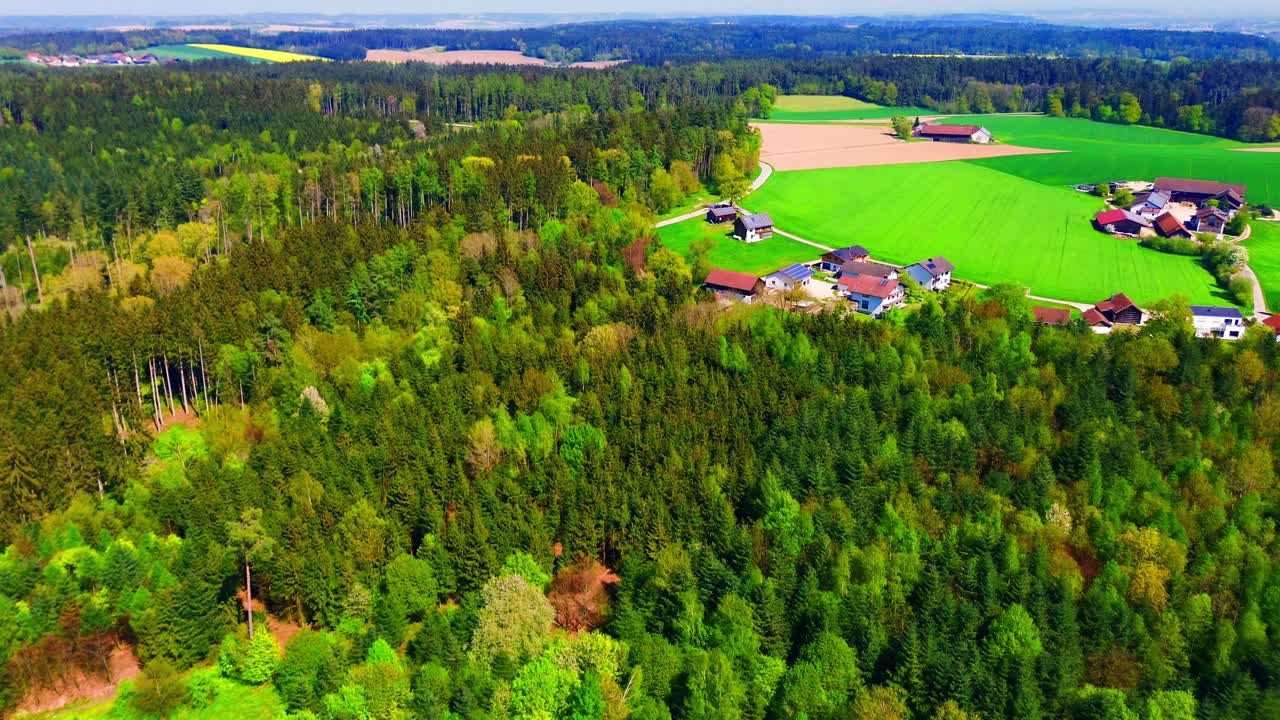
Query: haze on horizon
x=1172, y=8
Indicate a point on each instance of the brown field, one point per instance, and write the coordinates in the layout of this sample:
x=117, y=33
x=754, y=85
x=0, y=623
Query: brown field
x=807, y=147
x=472, y=57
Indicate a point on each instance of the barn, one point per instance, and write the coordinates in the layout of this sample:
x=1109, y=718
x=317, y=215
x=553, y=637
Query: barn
x=954, y=133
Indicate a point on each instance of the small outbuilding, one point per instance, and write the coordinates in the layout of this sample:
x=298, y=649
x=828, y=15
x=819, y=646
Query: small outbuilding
x=1051, y=316
x=1170, y=226
x=1210, y=220
x=1212, y=321
x=872, y=295
x=1115, y=310
x=954, y=133
x=1121, y=222
x=753, y=228
x=717, y=214
x=932, y=273
x=788, y=278
x=733, y=285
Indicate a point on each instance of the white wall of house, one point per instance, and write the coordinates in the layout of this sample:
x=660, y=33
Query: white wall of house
x=1226, y=328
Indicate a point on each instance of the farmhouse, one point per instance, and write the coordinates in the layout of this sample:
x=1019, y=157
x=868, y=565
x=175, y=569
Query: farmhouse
x=717, y=214
x=733, y=285
x=1217, y=322
x=788, y=278
x=1170, y=226
x=872, y=295
x=1051, y=316
x=869, y=267
x=831, y=261
x=1229, y=200
x=1210, y=220
x=1273, y=322
x=753, y=228
x=1149, y=205
x=1196, y=191
x=1115, y=310
x=954, y=133
x=1121, y=222
x=932, y=273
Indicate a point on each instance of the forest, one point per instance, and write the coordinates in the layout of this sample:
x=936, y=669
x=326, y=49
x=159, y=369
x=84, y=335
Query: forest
x=391, y=357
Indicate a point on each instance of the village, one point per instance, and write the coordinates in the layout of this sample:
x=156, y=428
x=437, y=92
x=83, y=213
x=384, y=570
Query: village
x=1172, y=207
x=116, y=58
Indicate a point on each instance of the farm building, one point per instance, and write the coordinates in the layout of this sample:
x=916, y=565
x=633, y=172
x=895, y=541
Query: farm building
x=954, y=133
x=1210, y=220
x=1170, y=226
x=717, y=214
x=1121, y=222
x=733, y=285
x=872, y=296
x=753, y=228
x=1273, y=322
x=1217, y=322
x=868, y=267
x=1229, y=200
x=831, y=261
x=932, y=273
x=1051, y=316
x=1196, y=191
x=788, y=278
x=1115, y=310
x=1149, y=205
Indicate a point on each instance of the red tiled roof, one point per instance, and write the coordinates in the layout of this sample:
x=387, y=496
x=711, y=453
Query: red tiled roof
x=1116, y=303
x=1169, y=225
x=1110, y=216
x=869, y=285
x=1051, y=316
x=950, y=130
x=1273, y=322
x=1095, y=318
x=733, y=280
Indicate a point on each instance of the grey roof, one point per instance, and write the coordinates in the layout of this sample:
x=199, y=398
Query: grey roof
x=723, y=210
x=845, y=254
x=1215, y=311
x=755, y=221
x=794, y=272
x=936, y=266
x=867, y=267
x=1156, y=199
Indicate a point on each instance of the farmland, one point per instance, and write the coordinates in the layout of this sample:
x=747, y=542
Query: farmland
x=257, y=53
x=1264, y=257
x=755, y=258
x=189, y=53
x=1102, y=151
x=819, y=108
x=994, y=226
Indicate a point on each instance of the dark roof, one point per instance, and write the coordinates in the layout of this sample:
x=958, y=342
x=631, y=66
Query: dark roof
x=732, y=280
x=794, y=272
x=755, y=221
x=1116, y=303
x=845, y=254
x=869, y=285
x=723, y=210
x=867, y=267
x=1169, y=225
x=1197, y=187
x=1051, y=316
x=1205, y=212
x=949, y=130
x=1094, y=318
x=1114, y=216
x=1157, y=198
x=936, y=266
x=1215, y=311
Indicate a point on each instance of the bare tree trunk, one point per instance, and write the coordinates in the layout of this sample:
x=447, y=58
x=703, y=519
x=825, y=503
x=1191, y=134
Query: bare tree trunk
x=32, y=252
x=137, y=382
x=155, y=394
x=168, y=385
x=182, y=380
x=204, y=378
x=248, y=598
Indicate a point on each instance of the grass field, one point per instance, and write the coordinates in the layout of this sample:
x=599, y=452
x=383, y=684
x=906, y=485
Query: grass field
x=819, y=108
x=1102, y=151
x=1264, y=257
x=994, y=226
x=232, y=702
x=729, y=254
x=256, y=53
x=189, y=53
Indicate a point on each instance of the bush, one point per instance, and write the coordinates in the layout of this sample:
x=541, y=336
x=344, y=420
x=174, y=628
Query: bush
x=203, y=686
x=309, y=671
x=252, y=661
x=1174, y=245
x=159, y=690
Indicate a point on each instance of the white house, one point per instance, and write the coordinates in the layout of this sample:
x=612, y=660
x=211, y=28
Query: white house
x=871, y=295
x=1225, y=323
x=932, y=273
x=789, y=278
x=753, y=228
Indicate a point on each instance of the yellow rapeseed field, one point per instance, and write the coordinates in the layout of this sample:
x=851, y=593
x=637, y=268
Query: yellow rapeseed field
x=269, y=55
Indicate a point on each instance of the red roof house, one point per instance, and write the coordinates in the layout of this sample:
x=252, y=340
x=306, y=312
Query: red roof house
x=1170, y=226
x=735, y=285
x=1118, y=310
x=1051, y=316
x=954, y=133
x=1273, y=322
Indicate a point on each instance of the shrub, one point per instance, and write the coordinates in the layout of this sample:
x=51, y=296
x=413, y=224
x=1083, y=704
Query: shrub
x=203, y=686
x=159, y=690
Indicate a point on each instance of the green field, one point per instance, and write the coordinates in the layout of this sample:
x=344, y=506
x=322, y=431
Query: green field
x=191, y=53
x=819, y=108
x=1102, y=151
x=756, y=258
x=1264, y=257
x=994, y=226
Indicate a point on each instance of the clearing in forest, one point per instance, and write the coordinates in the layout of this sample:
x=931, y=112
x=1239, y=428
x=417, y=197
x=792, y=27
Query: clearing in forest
x=806, y=147
x=826, y=108
x=727, y=253
x=994, y=226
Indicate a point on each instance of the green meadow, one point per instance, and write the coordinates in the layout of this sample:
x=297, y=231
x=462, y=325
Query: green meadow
x=758, y=258
x=825, y=108
x=1103, y=151
x=995, y=227
x=1264, y=257
x=190, y=53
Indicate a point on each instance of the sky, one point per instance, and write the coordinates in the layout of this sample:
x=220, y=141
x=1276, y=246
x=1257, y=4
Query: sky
x=1180, y=8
